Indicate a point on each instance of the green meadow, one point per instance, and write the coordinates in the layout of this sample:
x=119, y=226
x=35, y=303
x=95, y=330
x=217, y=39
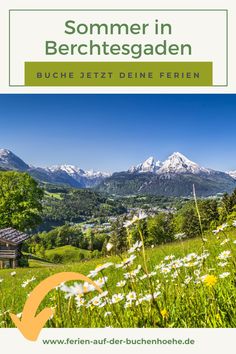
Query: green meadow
x=188, y=283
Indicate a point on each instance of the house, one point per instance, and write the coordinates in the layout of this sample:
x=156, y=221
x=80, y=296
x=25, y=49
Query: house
x=10, y=247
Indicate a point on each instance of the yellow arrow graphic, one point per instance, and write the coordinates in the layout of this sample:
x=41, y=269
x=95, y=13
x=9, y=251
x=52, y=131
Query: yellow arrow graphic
x=31, y=324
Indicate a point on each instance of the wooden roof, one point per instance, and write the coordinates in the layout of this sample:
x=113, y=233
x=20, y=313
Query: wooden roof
x=10, y=235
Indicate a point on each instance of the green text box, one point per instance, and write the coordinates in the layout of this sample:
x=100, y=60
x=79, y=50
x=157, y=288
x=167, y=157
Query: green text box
x=118, y=74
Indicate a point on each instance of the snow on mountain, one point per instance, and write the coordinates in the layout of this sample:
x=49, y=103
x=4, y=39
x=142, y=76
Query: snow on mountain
x=85, y=178
x=10, y=161
x=232, y=174
x=175, y=163
x=64, y=174
x=70, y=169
x=149, y=165
x=178, y=163
x=75, y=171
x=92, y=173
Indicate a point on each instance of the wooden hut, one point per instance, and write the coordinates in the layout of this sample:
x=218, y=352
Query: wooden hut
x=10, y=247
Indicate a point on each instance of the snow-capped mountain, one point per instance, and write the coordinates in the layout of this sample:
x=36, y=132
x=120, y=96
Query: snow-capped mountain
x=10, y=161
x=64, y=174
x=85, y=178
x=74, y=171
x=173, y=177
x=232, y=174
x=175, y=163
x=178, y=163
x=149, y=165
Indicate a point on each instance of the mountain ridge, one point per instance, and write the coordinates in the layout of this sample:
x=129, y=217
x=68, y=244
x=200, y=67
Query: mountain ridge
x=174, y=176
x=71, y=175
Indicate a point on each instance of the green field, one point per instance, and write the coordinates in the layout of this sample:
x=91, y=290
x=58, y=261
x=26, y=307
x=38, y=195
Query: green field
x=183, y=284
x=67, y=254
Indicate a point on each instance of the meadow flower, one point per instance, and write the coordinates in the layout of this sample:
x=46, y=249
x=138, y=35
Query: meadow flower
x=209, y=280
x=117, y=298
x=126, y=262
x=164, y=314
x=222, y=264
x=190, y=257
x=99, y=268
x=152, y=274
x=73, y=290
x=204, y=255
x=133, y=273
x=160, y=265
x=121, y=284
x=180, y=236
x=177, y=264
x=220, y=228
x=191, y=264
x=234, y=223
x=175, y=274
x=19, y=315
x=131, y=296
x=128, y=304
x=96, y=301
x=108, y=313
x=102, y=304
x=224, y=275
x=87, y=287
x=1, y=280
x=147, y=297
x=135, y=247
x=234, y=241
x=187, y=280
x=27, y=282
x=76, y=289
x=109, y=246
x=169, y=258
x=80, y=301
x=13, y=274
x=224, y=255
x=165, y=270
x=156, y=294
x=140, y=216
x=225, y=241
x=196, y=272
x=103, y=294
x=101, y=281
x=143, y=277
x=127, y=224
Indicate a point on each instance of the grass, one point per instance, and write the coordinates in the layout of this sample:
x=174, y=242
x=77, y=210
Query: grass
x=67, y=254
x=182, y=284
x=54, y=195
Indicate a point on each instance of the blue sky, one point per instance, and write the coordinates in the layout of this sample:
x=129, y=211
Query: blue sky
x=112, y=132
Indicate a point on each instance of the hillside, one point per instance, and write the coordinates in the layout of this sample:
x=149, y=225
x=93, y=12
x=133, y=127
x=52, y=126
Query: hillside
x=171, y=184
x=63, y=205
x=66, y=254
x=187, y=287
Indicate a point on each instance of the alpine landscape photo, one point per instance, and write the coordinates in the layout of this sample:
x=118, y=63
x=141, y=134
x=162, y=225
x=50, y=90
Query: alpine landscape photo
x=138, y=192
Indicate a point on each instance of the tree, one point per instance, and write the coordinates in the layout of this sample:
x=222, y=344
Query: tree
x=90, y=237
x=187, y=219
x=20, y=201
x=160, y=229
x=119, y=236
x=228, y=204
